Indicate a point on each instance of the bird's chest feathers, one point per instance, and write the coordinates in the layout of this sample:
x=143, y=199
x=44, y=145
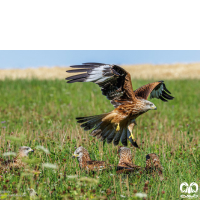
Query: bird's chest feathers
x=83, y=160
x=132, y=110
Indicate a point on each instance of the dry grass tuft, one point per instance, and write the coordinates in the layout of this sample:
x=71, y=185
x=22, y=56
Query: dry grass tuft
x=143, y=71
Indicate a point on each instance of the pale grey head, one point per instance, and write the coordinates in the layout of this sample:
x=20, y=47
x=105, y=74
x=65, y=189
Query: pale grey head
x=148, y=105
x=78, y=153
x=82, y=154
x=24, y=151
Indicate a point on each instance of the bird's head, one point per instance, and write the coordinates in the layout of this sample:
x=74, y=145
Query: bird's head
x=79, y=152
x=152, y=160
x=149, y=105
x=24, y=150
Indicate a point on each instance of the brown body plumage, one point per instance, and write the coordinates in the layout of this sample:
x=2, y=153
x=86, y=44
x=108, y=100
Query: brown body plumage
x=126, y=160
x=116, y=85
x=85, y=161
x=17, y=162
x=153, y=165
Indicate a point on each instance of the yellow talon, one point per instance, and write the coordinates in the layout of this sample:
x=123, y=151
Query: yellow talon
x=118, y=127
x=131, y=136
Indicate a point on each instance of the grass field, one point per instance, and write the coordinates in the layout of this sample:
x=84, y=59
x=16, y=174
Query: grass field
x=42, y=112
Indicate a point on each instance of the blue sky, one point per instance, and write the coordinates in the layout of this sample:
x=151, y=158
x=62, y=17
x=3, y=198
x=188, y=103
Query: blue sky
x=25, y=59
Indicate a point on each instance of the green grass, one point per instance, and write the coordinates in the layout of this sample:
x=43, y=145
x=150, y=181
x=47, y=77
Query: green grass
x=44, y=112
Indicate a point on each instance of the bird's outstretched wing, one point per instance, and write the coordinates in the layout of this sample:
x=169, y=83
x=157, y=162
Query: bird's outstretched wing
x=155, y=90
x=115, y=82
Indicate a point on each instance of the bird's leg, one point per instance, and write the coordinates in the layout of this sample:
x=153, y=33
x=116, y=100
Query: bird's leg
x=130, y=128
x=131, y=136
x=118, y=127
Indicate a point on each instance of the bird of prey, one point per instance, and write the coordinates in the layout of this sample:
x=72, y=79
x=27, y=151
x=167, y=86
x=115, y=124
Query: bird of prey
x=17, y=161
x=85, y=161
x=126, y=160
x=115, y=83
x=153, y=165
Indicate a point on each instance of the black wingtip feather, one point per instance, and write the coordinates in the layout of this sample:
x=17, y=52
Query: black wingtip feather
x=94, y=63
x=125, y=143
x=83, y=66
x=79, y=76
x=135, y=144
x=163, y=99
x=78, y=70
x=76, y=80
x=164, y=87
x=167, y=96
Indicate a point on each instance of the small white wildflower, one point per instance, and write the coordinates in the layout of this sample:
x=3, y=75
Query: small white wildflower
x=9, y=154
x=50, y=165
x=141, y=195
x=111, y=174
x=122, y=196
x=43, y=149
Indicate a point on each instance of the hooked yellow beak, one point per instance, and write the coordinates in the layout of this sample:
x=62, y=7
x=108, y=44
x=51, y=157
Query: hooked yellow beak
x=153, y=107
x=75, y=155
x=30, y=150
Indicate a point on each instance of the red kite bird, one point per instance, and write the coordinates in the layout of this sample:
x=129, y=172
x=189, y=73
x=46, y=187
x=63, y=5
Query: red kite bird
x=126, y=160
x=17, y=161
x=85, y=161
x=116, y=85
x=153, y=165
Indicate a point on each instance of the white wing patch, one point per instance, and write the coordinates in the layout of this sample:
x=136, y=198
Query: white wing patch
x=97, y=74
x=157, y=93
